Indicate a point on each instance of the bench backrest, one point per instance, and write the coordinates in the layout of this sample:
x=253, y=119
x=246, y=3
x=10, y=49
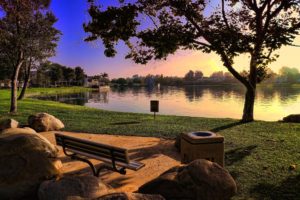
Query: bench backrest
x=92, y=148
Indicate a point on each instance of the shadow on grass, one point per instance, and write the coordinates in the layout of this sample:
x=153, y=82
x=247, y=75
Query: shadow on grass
x=238, y=154
x=221, y=128
x=125, y=123
x=289, y=189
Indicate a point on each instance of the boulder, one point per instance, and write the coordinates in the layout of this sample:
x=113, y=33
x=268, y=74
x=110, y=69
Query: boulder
x=44, y=122
x=76, y=187
x=199, y=180
x=292, y=118
x=27, y=159
x=8, y=123
x=12, y=131
x=130, y=196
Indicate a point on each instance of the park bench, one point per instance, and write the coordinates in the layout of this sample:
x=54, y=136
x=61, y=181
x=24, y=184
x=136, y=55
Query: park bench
x=113, y=158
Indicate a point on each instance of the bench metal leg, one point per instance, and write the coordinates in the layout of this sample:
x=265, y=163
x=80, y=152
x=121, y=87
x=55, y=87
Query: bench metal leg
x=74, y=157
x=96, y=172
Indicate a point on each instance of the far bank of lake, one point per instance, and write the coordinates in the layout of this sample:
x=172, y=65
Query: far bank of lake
x=272, y=103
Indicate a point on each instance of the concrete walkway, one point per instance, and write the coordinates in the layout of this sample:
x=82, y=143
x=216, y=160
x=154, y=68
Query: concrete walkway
x=157, y=154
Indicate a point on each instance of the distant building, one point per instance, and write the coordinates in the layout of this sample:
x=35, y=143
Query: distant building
x=5, y=83
x=92, y=81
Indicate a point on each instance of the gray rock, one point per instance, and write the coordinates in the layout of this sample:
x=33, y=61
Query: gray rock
x=199, y=180
x=44, y=122
x=76, y=187
x=130, y=196
x=295, y=118
x=26, y=160
x=8, y=123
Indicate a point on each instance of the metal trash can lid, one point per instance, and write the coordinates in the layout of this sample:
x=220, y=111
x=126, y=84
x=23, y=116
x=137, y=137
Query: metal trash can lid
x=200, y=137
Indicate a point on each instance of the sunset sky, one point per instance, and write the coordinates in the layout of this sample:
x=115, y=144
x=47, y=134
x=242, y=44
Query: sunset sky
x=73, y=51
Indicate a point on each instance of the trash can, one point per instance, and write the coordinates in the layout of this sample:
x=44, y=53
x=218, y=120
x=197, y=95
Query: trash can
x=202, y=145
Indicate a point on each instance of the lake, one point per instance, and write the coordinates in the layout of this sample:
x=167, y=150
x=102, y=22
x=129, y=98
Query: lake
x=271, y=104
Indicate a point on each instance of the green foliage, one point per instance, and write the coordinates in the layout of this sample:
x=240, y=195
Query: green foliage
x=291, y=75
x=27, y=32
x=236, y=27
x=68, y=74
x=79, y=75
x=121, y=81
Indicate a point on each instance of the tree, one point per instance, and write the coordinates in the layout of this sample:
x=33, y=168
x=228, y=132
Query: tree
x=291, y=75
x=43, y=78
x=44, y=38
x=189, y=76
x=17, y=40
x=68, y=74
x=237, y=27
x=218, y=75
x=121, y=81
x=79, y=75
x=198, y=75
x=55, y=73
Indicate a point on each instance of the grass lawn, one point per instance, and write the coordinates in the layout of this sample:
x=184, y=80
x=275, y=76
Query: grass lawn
x=258, y=154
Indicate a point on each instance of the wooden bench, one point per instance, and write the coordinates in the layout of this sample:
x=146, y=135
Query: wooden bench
x=114, y=158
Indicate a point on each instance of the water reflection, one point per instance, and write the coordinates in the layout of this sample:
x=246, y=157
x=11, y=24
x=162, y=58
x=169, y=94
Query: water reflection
x=208, y=101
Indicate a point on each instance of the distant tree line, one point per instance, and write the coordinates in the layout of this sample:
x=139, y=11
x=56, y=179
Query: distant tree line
x=286, y=75
x=54, y=74
x=49, y=74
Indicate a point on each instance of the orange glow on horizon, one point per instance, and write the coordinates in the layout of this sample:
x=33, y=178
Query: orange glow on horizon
x=183, y=61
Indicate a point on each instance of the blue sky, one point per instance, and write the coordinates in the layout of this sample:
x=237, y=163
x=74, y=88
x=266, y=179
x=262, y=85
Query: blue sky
x=73, y=51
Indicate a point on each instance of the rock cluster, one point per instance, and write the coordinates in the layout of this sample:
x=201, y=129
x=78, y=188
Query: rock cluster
x=44, y=122
x=199, y=180
x=76, y=187
x=8, y=123
x=27, y=159
x=30, y=169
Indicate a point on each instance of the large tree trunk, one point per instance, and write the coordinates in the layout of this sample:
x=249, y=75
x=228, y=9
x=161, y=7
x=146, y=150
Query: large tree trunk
x=249, y=105
x=251, y=91
x=14, y=88
x=26, y=82
x=25, y=85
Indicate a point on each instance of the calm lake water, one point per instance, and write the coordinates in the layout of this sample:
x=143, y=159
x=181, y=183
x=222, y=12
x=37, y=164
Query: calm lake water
x=272, y=104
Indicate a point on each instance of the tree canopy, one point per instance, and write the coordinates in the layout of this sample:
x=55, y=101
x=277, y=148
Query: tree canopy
x=256, y=28
x=26, y=35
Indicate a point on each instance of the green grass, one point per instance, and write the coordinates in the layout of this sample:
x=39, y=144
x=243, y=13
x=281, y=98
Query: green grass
x=258, y=154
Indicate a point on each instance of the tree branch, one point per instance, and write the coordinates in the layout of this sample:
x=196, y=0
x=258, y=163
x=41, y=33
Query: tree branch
x=224, y=15
x=202, y=43
x=230, y=68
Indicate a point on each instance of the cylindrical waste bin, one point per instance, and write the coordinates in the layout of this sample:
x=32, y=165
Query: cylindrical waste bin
x=202, y=145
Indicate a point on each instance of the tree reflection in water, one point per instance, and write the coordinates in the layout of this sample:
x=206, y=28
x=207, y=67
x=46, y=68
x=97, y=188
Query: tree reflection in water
x=206, y=101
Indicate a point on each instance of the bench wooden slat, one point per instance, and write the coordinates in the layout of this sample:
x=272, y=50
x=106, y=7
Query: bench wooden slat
x=98, y=151
x=92, y=150
x=118, y=152
x=91, y=142
x=131, y=165
x=101, y=149
x=108, y=156
x=98, y=148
